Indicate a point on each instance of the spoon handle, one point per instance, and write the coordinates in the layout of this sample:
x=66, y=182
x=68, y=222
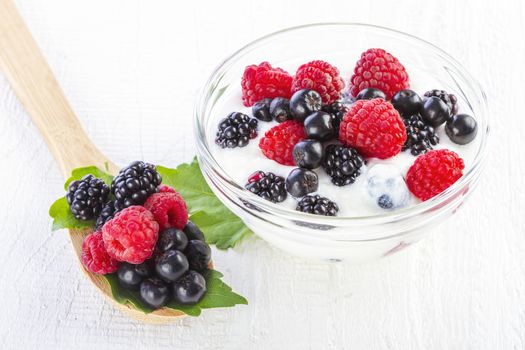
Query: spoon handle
x=37, y=89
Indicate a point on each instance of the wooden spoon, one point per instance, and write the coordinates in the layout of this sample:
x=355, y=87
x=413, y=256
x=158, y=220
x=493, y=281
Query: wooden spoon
x=37, y=89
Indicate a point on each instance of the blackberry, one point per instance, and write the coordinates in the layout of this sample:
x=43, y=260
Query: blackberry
x=236, y=130
x=420, y=136
x=337, y=111
x=267, y=185
x=450, y=100
x=86, y=197
x=107, y=213
x=134, y=184
x=317, y=205
x=343, y=164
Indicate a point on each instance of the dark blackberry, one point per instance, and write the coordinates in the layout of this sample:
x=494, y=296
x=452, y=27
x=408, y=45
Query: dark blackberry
x=236, y=130
x=317, y=205
x=107, y=213
x=420, y=136
x=343, y=164
x=450, y=100
x=337, y=111
x=86, y=197
x=267, y=185
x=134, y=184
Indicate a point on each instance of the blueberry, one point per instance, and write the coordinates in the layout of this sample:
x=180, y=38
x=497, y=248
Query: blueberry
x=305, y=102
x=300, y=182
x=198, y=254
x=193, y=232
x=280, y=109
x=386, y=187
x=461, y=129
x=154, y=292
x=261, y=110
x=319, y=126
x=385, y=202
x=435, y=112
x=407, y=102
x=171, y=265
x=130, y=276
x=370, y=93
x=189, y=289
x=172, y=238
x=308, y=154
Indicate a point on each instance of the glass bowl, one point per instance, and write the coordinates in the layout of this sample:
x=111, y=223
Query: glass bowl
x=353, y=239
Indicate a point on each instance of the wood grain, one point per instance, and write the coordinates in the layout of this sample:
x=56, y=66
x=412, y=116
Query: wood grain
x=131, y=69
x=37, y=89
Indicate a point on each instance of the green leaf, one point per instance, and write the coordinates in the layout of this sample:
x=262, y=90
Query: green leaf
x=63, y=218
x=218, y=294
x=220, y=226
x=59, y=211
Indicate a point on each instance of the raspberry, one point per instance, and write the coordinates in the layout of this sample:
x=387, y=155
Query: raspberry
x=434, y=172
x=169, y=210
x=374, y=128
x=131, y=235
x=278, y=142
x=264, y=81
x=320, y=76
x=166, y=189
x=378, y=69
x=95, y=257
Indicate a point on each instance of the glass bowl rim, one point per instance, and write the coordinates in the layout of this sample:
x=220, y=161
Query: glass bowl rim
x=404, y=213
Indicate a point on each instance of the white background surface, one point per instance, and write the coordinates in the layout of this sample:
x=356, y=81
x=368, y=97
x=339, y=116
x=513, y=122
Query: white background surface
x=131, y=70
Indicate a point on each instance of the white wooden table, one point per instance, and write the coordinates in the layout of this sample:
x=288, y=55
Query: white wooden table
x=131, y=70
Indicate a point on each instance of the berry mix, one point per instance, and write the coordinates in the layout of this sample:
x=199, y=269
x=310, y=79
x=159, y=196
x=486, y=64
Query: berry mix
x=319, y=127
x=142, y=234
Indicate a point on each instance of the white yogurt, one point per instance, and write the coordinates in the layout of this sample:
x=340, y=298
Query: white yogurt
x=353, y=200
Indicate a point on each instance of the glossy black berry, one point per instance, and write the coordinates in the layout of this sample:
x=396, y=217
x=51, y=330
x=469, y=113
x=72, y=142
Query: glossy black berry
x=198, y=254
x=300, y=182
x=319, y=126
x=420, y=136
x=407, y=102
x=308, y=154
x=261, y=110
x=134, y=184
x=171, y=265
x=172, y=238
x=86, y=197
x=343, y=164
x=154, y=292
x=107, y=213
x=317, y=205
x=435, y=112
x=267, y=185
x=193, y=232
x=280, y=109
x=130, y=276
x=305, y=102
x=189, y=289
x=370, y=93
x=337, y=111
x=236, y=130
x=450, y=100
x=461, y=129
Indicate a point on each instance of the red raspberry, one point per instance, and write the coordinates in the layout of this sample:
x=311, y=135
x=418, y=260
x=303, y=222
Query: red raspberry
x=278, y=142
x=320, y=76
x=374, y=128
x=169, y=209
x=95, y=257
x=131, y=235
x=166, y=189
x=378, y=69
x=264, y=81
x=434, y=172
